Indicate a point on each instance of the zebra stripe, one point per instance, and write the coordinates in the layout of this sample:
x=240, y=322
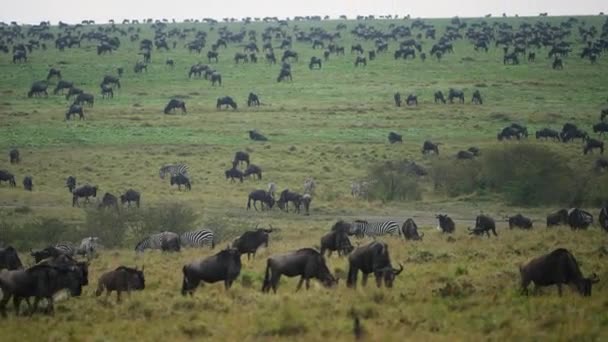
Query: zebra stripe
x=198, y=238
x=154, y=241
x=364, y=228
x=173, y=170
x=65, y=248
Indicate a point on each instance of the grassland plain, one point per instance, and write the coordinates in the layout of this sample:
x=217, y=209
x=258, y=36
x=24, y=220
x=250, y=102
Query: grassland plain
x=330, y=124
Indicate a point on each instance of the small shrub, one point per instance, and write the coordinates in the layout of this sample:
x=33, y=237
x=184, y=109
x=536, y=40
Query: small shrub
x=393, y=181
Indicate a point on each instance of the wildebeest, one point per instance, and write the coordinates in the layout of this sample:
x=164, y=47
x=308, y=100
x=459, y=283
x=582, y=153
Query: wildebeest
x=70, y=183
x=556, y=268
x=394, y=138
x=85, y=98
x=337, y=239
x=85, y=191
x=600, y=128
x=9, y=259
x=372, y=258
x=288, y=54
x=13, y=156
x=234, y=173
x=19, y=56
x=464, y=155
x=510, y=58
x=409, y=229
x=446, y=224
x=603, y=218
x=216, y=77
x=139, y=67
x=531, y=56
x=180, y=180
x=289, y=196
x=284, y=74
x=557, y=64
x=121, y=279
x=61, y=85
x=412, y=100
x=253, y=170
x=256, y=136
x=223, y=266
x=253, y=100
x=73, y=110
x=508, y=133
x=476, y=99
x=483, y=224
x=306, y=263
x=548, y=133
x=557, y=218
x=212, y=55
x=428, y=147
x=314, y=61
x=109, y=79
x=397, y=98
x=592, y=144
x=458, y=94
x=106, y=91
x=48, y=252
x=249, y=242
x=225, y=101
x=262, y=196
x=6, y=176
x=360, y=60
x=130, y=196
x=173, y=104
x=439, y=97
x=601, y=164
x=241, y=157
x=109, y=201
x=73, y=91
x=520, y=221
x=579, y=219
x=38, y=89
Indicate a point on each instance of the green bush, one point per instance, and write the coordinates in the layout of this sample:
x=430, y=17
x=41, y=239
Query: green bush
x=455, y=177
x=39, y=233
x=393, y=181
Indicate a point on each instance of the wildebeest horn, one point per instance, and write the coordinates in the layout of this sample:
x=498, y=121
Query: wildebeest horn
x=398, y=271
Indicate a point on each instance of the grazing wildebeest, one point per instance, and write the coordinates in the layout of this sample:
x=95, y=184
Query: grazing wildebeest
x=409, y=229
x=464, y=155
x=600, y=128
x=70, y=183
x=73, y=110
x=241, y=157
x=476, y=99
x=412, y=100
x=271, y=58
x=85, y=191
x=256, y=136
x=173, y=104
x=289, y=196
x=109, y=201
x=249, y=242
x=397, y=98
x=253, y=170
x=603, y=218
x=84, y=98
x=357, y=47
x=14, y=157
x=216, y=77
x=253, y=100
x=548, y=133
x=121, y=279
x=234, y=173
x=9, y=259
x=556, y=268
x=239, y=56
x=225, y=101
x=106, y=91
x=171, y=63
x=446, y=224
x=520, y=221
x=453, y=93
x=19, y=56
x=109, y=79
x=557, y=218
x=557, y=64
x=484, y=224
x=337, y=240
x=360, y=60
x=372, y=258
x=439, y=97
x=61, y=85
x=6, y=176
x=579, y=219
x=284, y=74
x=394, y=137
x=139, y=67
x=288, y=54
x=429, y=147
x=306, y=263
x=180, y=180
x=314, y=61
x=262, y=196
x=531, y=56
x=213, y=55
x=592, y=144
x=73, y=91
x=223, y=266
x=326, y=55
x=508, y=133
x=38, y=89
x=130, y=196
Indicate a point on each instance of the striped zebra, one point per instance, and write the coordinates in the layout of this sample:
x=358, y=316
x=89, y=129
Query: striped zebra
x=166, y=241
x=361, y=228
x=66, y=248
x=88, y=247
x=173, y=170
x=198, y=238
x=309, y=186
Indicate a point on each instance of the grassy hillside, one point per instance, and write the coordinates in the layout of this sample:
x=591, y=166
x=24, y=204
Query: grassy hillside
x=331, y=124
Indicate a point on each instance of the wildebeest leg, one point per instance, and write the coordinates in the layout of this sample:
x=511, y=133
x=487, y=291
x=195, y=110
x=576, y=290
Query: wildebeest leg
x=300, y=284
x=255, y=207
x=494, y=231
x=559, y=289
x=5, y=298
x=307, y=283
x=227, y=284
x=274, y=281
x=118, y=298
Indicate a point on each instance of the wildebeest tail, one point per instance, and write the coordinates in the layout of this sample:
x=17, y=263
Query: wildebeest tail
x=266, y=284
x=249, y=203
x=185, y=281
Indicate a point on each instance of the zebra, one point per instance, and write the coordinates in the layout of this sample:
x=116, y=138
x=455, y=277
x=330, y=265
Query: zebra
x=88, y=247
x=166, y=241
x=66, y=248
x=272, y=188
x=198, y=238
x=360, y=228
x=173, y=170
x=309, y=186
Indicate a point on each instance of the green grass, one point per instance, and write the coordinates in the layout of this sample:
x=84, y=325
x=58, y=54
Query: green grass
x=332, y=125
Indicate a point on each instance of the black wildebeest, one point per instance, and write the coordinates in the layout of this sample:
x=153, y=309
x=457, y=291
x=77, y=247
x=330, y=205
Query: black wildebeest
x=9, y=259
x=106, y=91
x=180, y=180
x=484, y=224
x=173, y=104
x=372, y=258
x=253, y=100
x=360, y=60
x=458, y=94
x=216, y=77
x=284, y=74
x=70, y=183
x=213, y=55
x=508, y=133
x=446, y=224
x=241, y=57
x=439, y=97
x=547, y=133
x=85, y=191
x=314, y=61
x=579, y=219
x=556, y=268
x=397, y=98
x=73, y=110
x=412, y=100
x=600, y=128
x=85, y=98
x=337, y=239
x=130, y=196
x=289, y=196
x=592, y=144
x=409, y=229
x=394, y=138
x=223, y=266
x=249, y=242
x=306, y=263
x=241, y=157
x=262, y=196
x=109, y=201
x=520, y=221
x=476, y=99
x=13, y=156
x=557, y=218
x=6, y=176
x=53, y=73
x=109, y=79
x=256, y=136
x=19, y=56
x=38, y=89
x=122, y=279
x=603, y=218
x=429, y=147
x=61, y=85
x=225, y=101
x=234, y=173
x=253, y=170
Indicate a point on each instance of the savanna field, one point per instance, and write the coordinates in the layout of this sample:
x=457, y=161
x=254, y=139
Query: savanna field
x=332, y=125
